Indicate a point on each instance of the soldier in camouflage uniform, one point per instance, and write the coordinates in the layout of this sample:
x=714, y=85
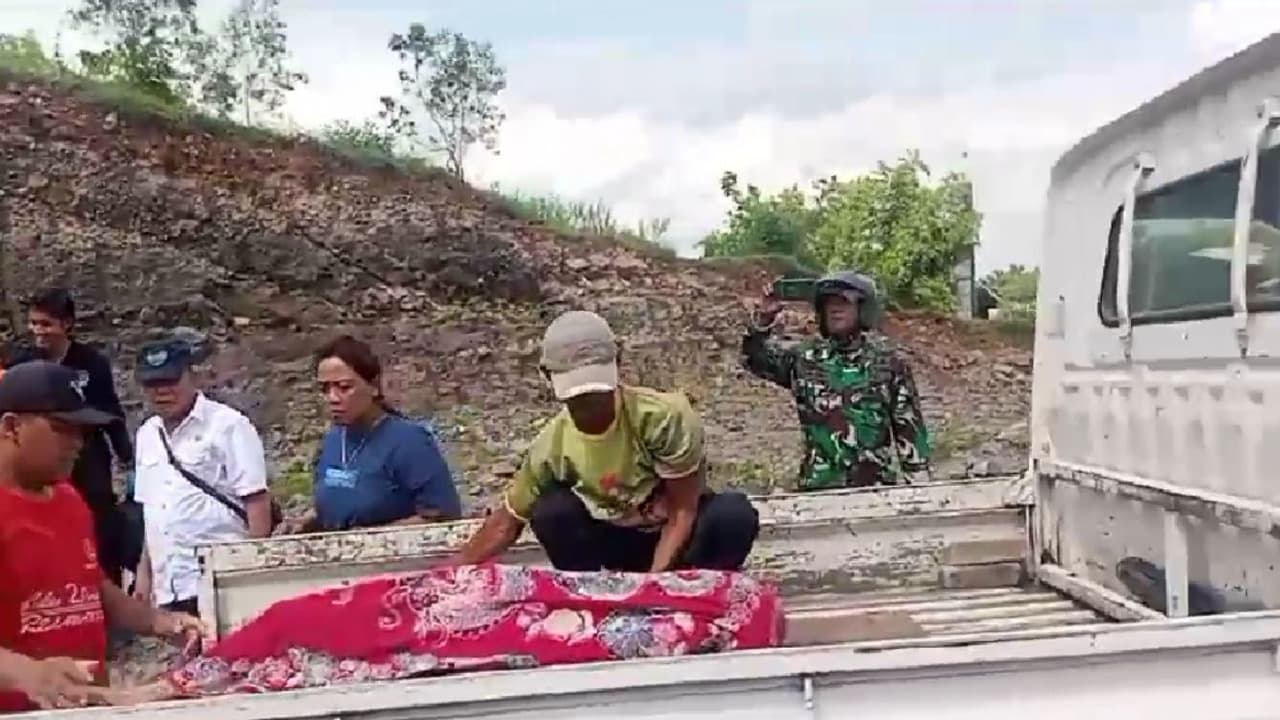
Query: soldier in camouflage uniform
x=854, y=392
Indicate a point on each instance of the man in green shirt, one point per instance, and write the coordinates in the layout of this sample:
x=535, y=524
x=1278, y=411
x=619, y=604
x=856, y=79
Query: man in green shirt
x=616, y=480
x=854, y=392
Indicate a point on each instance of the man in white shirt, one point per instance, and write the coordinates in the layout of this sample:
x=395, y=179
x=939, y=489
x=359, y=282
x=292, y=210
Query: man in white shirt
x=200, y=476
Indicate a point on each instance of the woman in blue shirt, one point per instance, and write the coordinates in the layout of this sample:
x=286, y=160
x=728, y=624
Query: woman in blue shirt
x=376, y=467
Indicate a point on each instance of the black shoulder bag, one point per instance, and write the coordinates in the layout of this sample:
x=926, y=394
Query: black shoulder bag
x=207, y=489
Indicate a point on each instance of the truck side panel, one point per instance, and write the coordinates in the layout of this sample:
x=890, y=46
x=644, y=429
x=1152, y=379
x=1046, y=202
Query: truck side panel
x=1221, y=668
x=1089, y=522
x=1180, y=393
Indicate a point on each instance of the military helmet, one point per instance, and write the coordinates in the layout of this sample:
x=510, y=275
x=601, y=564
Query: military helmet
x=854, y=286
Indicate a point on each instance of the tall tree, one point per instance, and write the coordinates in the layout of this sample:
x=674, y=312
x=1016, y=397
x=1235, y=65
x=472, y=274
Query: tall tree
x=902, y=226
x=249, y=71
x=149, y=43
x=448, y=89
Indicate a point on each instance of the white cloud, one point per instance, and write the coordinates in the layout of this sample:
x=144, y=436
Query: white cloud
x=1222, y=27
x=649, y=167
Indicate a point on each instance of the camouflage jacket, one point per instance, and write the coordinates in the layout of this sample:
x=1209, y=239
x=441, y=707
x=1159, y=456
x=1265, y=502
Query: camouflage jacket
x=858, y=406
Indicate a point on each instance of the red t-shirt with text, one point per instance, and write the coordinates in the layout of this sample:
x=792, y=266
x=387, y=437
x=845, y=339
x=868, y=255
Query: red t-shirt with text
x=50, y=581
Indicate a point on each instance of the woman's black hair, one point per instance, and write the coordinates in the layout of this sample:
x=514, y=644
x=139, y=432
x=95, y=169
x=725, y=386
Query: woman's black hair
x=362, y=360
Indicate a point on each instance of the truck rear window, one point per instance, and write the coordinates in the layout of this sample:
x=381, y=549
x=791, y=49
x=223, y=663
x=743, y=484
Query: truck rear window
x=1181, y=267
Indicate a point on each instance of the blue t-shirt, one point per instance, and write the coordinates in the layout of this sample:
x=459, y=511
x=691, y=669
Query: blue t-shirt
x=389, y=473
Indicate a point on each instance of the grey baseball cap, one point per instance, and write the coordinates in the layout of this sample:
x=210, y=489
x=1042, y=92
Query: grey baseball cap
x=580, y=353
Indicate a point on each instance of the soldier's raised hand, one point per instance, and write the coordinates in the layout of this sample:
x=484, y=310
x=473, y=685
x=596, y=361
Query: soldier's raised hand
x=768, y=308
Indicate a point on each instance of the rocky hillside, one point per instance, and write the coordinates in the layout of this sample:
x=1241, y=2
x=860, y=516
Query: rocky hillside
x=270, y=245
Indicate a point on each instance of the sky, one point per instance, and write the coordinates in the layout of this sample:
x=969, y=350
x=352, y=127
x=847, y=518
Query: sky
x=644, y=104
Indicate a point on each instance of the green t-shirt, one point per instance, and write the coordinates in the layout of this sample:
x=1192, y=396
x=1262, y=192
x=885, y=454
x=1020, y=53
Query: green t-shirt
x=654, y=436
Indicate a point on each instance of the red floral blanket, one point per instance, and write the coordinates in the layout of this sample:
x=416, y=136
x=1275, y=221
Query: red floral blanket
x=484, y=617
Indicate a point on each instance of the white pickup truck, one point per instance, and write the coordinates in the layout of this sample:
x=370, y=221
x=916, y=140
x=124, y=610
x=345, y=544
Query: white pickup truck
x=1130, y=573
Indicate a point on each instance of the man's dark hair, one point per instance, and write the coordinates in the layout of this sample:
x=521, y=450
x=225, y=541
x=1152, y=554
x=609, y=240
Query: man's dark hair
x=55, y=302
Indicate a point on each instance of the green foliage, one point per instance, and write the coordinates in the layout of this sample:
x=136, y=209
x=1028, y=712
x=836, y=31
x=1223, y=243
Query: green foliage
x=24, y=54
x=763, y=225
x=247, y=70
x=892, y=223
x=295, y=481
x=1014, y=289
x=150, y=44
x=580, y=218
x=954, y=440
x=448, y=88
x=367, y=137
x=369, y=142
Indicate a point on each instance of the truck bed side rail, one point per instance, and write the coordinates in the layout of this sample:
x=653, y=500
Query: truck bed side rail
x=955, y=534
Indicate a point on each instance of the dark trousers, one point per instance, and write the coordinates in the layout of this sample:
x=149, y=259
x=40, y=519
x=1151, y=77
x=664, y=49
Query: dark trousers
x=107, y=530
x=91, y=477
x=722, y=536
x=190, y=606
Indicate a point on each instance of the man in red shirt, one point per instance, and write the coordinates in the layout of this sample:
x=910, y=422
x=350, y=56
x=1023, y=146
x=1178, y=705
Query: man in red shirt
x=55, y=601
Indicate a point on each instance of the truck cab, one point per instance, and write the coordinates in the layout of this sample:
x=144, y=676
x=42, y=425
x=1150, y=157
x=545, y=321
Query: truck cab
x=1156, y=384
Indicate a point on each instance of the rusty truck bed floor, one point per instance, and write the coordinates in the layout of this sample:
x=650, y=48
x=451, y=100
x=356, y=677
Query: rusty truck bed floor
x=820, y=619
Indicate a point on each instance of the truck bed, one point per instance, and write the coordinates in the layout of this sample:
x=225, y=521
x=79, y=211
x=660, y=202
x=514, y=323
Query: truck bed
x=827, y=618
x=957, y=535
x=816, y=619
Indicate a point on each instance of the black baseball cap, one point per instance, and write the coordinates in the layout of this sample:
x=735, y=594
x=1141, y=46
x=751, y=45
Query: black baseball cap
x=40, y=387
x=163, y=361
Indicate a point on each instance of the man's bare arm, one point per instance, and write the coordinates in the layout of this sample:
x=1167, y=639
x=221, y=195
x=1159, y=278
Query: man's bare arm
x=498, y=533
x=142, y=580
x=682, y=511
x=258, y=509
x=127, y=612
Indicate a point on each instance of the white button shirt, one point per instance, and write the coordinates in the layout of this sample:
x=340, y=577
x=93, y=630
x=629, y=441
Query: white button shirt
x=220, y=446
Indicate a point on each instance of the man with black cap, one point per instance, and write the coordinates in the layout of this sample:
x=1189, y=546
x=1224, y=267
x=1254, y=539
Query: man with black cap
x=55, y=600
x=201, y=476
x=616, y=480
x=857, y=401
